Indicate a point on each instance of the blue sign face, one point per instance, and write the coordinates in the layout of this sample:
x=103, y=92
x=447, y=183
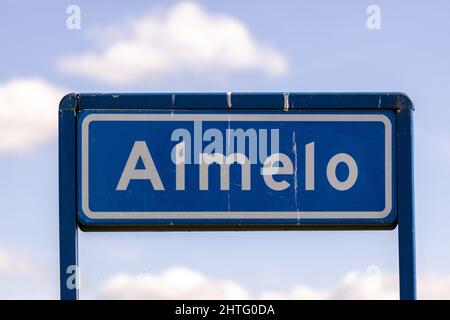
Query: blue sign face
x=192, y=169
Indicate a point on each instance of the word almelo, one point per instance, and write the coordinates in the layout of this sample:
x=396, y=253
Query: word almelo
x=275, y=164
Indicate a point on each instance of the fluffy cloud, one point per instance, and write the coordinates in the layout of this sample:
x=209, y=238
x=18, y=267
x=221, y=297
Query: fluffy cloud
x=434, y=286
x=183, y=39
x=28, y=113
x=21, y=278
x=10, y=264
x=174, y=283
x=355, y=285
x=183, y=283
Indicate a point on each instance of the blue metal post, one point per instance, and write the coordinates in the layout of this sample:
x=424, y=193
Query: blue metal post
x=406, y=233
x=68, y=250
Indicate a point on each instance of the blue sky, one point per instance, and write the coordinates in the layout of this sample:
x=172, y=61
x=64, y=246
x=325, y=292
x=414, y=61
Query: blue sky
x=325, y=46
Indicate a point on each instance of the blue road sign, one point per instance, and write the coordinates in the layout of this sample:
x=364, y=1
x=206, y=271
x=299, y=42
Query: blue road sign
x=185, y=168
x=241, y=161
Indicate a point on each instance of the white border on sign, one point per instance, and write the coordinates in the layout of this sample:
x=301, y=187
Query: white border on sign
x=236, y=214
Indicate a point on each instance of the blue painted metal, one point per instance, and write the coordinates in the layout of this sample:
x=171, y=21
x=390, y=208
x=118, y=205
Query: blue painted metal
x=68, y=248
x=397, y=102
x=109, y=143
x=406, y=228
x=249, y=101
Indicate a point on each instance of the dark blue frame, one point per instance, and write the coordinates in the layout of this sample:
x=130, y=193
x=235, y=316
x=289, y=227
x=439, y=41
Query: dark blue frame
x=72, y=103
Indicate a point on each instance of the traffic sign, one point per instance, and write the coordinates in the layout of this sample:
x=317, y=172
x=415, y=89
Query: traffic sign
x=260, y=168
x=235, y=161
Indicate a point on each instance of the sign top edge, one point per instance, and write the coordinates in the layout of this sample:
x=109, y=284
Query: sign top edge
x=285, y=101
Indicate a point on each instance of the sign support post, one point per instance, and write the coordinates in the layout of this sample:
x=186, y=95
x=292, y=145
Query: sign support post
x=68, y=237
x=406, y=229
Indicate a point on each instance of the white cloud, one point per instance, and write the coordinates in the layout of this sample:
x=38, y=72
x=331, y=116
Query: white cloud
x=21, y=278
x=355, y=285
x=183, y=283
x=434, y=286
x=174, y=283
x=28, y=113
x=183, y=39
x=10, y=264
